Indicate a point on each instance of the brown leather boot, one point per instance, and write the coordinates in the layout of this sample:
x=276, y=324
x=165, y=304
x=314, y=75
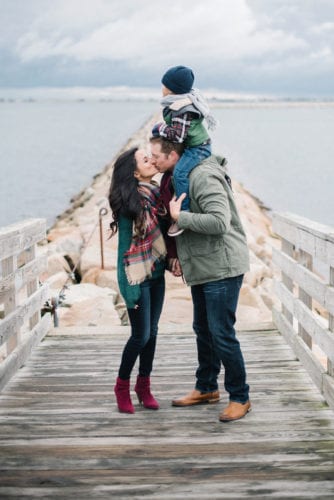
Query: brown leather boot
x=234, y=411
x=196, y=397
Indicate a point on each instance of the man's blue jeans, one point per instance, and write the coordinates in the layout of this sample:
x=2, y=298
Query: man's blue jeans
x=144, y=329
x=215, y=305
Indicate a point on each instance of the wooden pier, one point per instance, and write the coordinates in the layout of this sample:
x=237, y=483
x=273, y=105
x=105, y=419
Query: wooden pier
x=61, y=435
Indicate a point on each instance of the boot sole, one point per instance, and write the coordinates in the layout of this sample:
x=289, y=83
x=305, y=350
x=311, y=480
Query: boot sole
x=233, y=419
x=206, y=402
x=125, y=411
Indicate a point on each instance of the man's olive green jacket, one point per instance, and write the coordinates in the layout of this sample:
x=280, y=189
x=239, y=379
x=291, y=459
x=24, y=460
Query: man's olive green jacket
x=213, y=245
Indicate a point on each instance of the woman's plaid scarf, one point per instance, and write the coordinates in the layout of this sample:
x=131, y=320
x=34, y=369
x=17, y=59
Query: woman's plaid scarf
x=148, y=245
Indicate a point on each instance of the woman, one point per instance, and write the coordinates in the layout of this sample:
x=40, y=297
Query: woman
x=135, y=204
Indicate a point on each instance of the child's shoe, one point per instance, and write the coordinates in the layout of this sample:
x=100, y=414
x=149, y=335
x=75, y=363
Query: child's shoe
x=174, y=230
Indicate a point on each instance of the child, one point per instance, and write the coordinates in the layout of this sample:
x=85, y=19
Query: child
x=184, y=111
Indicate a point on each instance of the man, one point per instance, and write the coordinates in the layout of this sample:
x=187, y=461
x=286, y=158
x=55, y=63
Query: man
x=213, y=255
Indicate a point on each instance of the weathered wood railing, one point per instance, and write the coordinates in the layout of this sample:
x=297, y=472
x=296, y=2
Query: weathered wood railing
x=21, y=296
x=306, y=292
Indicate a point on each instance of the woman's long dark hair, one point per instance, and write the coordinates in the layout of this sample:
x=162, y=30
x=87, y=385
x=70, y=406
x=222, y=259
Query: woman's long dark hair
x=124, y=198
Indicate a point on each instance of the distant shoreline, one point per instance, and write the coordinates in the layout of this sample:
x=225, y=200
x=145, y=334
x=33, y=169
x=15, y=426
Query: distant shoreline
x=217, y=97
x=214, y=103
x=270, y=104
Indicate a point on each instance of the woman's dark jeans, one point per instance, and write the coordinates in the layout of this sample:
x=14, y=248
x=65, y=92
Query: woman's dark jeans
x=215, y=305
x=144, y=329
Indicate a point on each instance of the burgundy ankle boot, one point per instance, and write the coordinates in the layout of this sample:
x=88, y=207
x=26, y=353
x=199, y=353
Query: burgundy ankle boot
x=122, y=392
x=144, y=395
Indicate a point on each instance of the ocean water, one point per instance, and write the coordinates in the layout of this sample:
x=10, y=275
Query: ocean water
x=49, y=152
x=283, y=154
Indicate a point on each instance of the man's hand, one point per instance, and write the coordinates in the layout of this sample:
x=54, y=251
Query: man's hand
x=175, y=206
x=174, y=267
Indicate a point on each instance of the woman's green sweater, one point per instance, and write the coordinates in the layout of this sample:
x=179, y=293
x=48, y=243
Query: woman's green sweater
x=130, y=293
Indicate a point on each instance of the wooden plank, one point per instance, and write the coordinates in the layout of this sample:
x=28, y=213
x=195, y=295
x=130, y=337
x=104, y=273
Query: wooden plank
x=312, y=237
x=112, y=330
x=181, y=488
x=284, y=227
x=19, y=268
x=16, y=319
x=216, y=461
x=19, y=356
x=20, y=277
x=324, y=251
x=306, y=260
x=313, y=366
x=313, y=325
x=285, y=222
x=32, y=286
x=330, y=361
x=328, y=389
x=287, y=248
x=312, y=284
x=9, y=302
x=93, y=424
x=18, y=237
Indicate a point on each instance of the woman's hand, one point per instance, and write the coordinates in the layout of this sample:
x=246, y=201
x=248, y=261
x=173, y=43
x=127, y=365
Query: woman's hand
x=175, y=206
x=174, y=267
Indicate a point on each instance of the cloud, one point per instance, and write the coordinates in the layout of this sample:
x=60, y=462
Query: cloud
x=227, y=30
x=323, y=28
x=133, y=42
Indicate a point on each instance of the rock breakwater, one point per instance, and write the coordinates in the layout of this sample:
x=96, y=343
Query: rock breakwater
x=92, y=298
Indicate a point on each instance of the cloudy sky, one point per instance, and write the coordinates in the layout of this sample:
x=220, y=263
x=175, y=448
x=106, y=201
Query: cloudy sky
x=280, y=47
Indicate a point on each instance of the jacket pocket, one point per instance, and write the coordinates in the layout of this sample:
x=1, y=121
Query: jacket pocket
x=200, y=244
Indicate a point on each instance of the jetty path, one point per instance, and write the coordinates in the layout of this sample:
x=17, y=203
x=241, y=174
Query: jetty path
x=61, y=435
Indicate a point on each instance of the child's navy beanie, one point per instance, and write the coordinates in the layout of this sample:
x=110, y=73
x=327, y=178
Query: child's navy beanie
x=178, y=79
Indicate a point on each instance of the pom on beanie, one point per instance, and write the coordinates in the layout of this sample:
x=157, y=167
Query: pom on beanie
x=178, y=79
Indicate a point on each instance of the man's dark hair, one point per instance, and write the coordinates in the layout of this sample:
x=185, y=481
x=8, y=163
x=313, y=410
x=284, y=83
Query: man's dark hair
x=167, y=146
